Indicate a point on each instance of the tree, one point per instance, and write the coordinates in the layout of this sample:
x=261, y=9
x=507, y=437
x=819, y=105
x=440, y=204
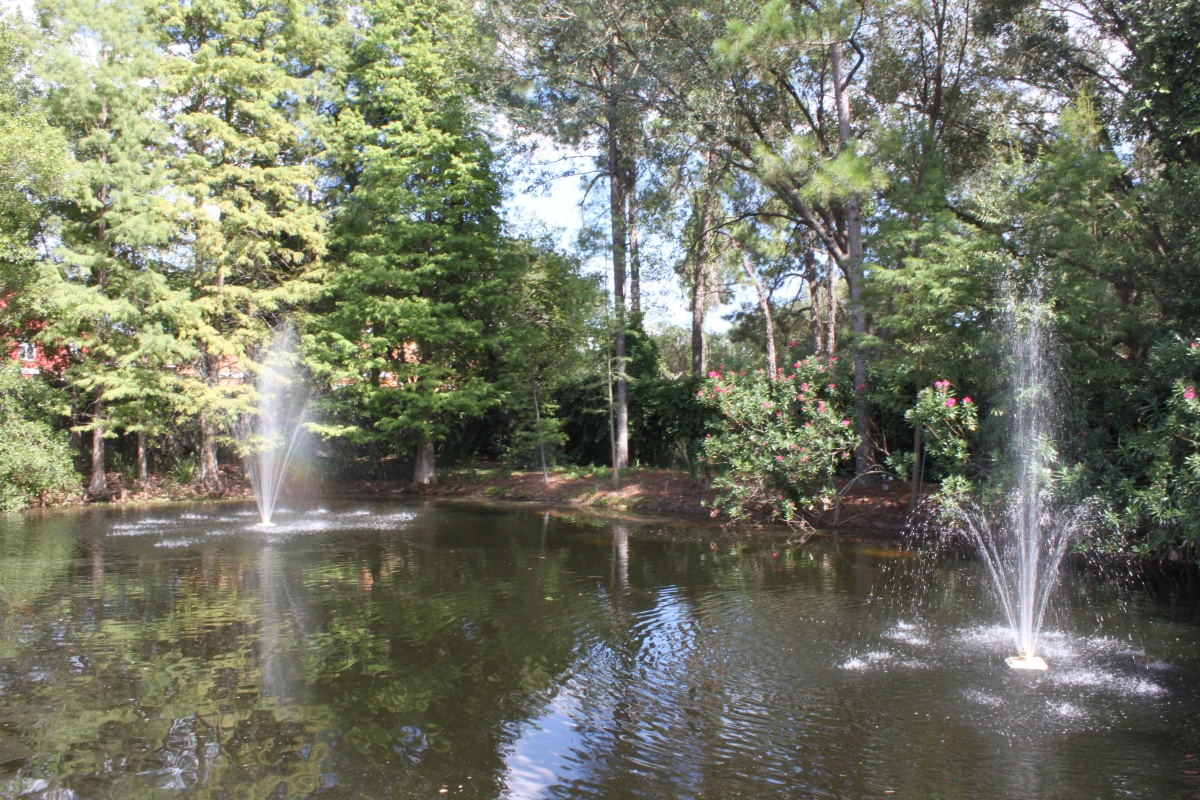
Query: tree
x=544, y=343
x=580, y=63
x=418, y=287
x=33, y=162
x=109, y=294
x=246, y=83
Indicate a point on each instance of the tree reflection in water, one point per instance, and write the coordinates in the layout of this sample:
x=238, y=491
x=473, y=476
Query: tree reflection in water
x=515, y=655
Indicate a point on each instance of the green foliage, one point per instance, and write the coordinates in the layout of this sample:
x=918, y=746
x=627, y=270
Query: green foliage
x=35, y=459
x=34, y=163
x=418, y=288
x=1147, y=473
x=778, y=442
x=1163, y=72
x=109, y=293
x=667, y=421
x=543, y=342
x=947, y=425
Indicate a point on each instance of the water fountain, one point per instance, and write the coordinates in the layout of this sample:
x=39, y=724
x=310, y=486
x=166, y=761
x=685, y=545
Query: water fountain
x=1023, y=539
x=270, y=443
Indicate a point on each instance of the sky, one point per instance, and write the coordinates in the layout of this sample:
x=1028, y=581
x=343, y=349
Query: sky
x=548, y=194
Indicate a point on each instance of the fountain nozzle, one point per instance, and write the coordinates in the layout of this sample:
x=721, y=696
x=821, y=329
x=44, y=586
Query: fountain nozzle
x=1027, y=660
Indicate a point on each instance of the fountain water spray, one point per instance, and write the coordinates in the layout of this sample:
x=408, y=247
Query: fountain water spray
x=1023, y=541
x=282, y=404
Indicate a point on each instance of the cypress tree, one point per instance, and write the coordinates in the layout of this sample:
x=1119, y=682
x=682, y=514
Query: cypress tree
x=247, y=84
x=108, y=291
x=417, y=287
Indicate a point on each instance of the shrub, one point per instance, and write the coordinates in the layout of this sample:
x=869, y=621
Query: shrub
x=35, y=459
x=777, y=441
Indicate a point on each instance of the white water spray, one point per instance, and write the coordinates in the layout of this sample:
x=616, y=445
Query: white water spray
x=1023, y=542
x=282, y=404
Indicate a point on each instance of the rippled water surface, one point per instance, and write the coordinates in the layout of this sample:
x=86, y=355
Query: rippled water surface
x=404, y=651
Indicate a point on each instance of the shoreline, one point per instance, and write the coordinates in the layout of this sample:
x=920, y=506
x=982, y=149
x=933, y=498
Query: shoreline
x=646, y=495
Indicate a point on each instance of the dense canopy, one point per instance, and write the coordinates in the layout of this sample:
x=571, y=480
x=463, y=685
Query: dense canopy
x=871, y=182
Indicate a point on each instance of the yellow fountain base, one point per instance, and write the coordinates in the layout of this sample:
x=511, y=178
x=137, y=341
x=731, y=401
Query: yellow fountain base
x=1026, y=660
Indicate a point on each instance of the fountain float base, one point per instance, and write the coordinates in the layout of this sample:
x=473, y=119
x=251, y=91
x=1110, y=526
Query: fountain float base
x=1027, y=660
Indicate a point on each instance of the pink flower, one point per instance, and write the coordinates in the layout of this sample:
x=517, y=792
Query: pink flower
x=950, y=401
x=845, y=422
x=1189, y=393
x=1194, y=345
x=779, y=458
x=791, y=344
x=779, y=413
x=821, y=407
x=714, y=374
x=966, y=401
x=767, y=404
x=861, y=386
x=804, y=387
x=796, y=365
x=832, y=386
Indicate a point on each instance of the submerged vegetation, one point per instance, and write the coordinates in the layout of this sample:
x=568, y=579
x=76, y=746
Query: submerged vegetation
x=860, y=180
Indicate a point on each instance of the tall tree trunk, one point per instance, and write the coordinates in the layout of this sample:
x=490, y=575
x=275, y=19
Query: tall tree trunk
x=537, y=421
x=831, y=310
x=635, y=261
x=864, y=455
x=210, y=479
x=616, y=199
x=612, y=423
x=98, y=486
x=699, y=303
x=816, y=322
x=700, y=275
x=142, y=467
x=765, y=302
x=425, y=468
x=914, y=495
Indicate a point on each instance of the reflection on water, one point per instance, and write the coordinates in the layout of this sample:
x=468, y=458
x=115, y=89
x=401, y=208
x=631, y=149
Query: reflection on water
x=388, y=652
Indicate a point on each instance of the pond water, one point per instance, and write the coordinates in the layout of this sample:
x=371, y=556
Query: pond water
x=404, y=651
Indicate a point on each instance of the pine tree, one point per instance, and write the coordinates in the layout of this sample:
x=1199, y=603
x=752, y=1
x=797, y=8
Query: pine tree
x=417, y=288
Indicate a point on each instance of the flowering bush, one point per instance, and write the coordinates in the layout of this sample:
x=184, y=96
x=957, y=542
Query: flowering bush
x=946, y=423
x=778, y=440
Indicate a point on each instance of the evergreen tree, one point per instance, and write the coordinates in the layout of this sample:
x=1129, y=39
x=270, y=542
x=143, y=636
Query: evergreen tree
x=33, y=164
x=544, y=345
x=109, y=293
x=417, y=289
x=247, y=83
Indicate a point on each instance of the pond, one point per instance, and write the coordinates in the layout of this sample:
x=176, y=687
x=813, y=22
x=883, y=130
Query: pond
x=421, y=650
